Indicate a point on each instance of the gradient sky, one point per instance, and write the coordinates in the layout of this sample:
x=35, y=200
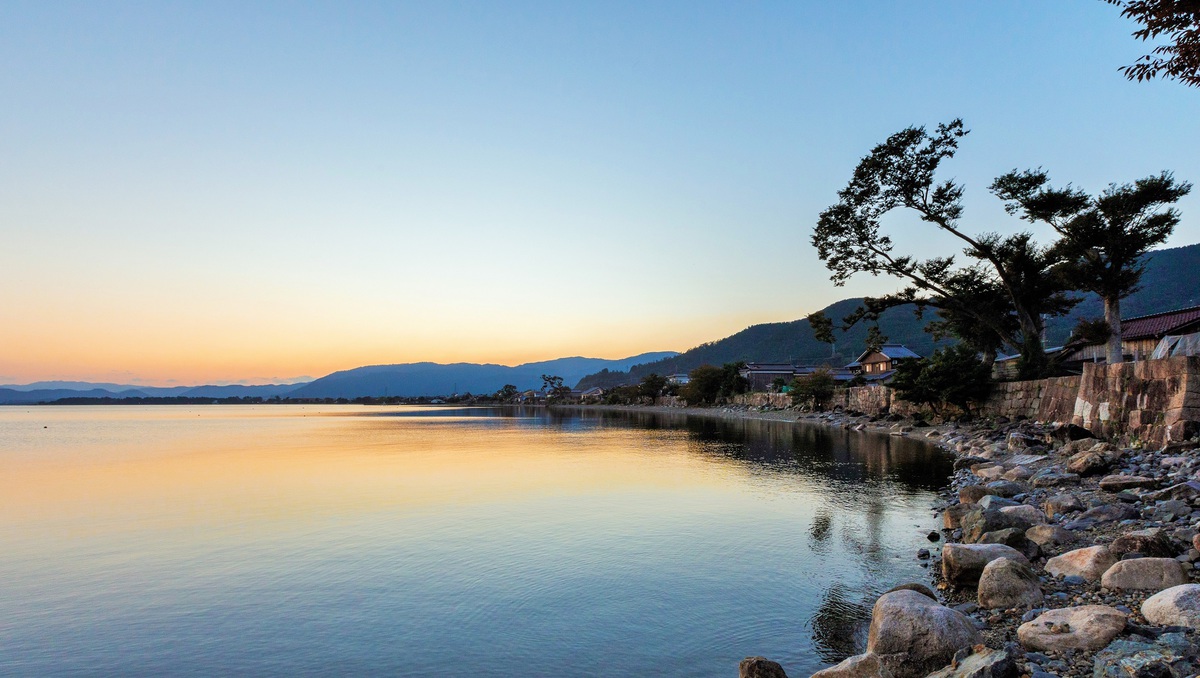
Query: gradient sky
x=224, y=192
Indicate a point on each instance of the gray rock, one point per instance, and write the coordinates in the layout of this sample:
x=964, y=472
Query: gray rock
x=859, y=666
x=1089, y=627
x=1005, y=488
x=1049, y=535
x=962, y=564
x=1051, y=479
x=914, y=635
x=1013, y=537
x=982, y=663
x=1006, y=584
x=993, y=501
x=1061, y=504
x=1123, y=482
x=1185, y=491
x=1170, y=655
x=1024, y=512
x=1144, y=574
x=913, y=586
x=1152, y=542
x=980, y=521
x=1100, y=515
x=1176, y=606
x=759, y=667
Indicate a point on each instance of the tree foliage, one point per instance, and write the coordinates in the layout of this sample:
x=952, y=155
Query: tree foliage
x=815, y=389
x=652, y=386
x=1104, y=238
x=953, y=375
x=1001, y=299
x=1176, y=20
x=708, y=384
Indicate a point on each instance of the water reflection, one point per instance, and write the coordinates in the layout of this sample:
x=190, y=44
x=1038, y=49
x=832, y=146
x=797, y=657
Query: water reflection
x=288, y=540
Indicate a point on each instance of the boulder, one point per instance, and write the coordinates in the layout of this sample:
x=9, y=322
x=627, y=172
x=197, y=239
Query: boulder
x=983, y=662
x=990, y=472
x=1061, y=504
x=1052, y=479
x=962, y=564
x=1006, y=488
x=1017, y=473
x=1090, y=563
x=967, y=462
x=1168, y=656
x=1176, y=606
x=1088, y=463
x=970, y=494
x=1144, y=574
x=952, y=516
x=1018, y=442
x=1109, y=513
x=1152, y=542
x=1088, y=627
x=859, y=666
x=1186, y=491
x=1013, y=537
x=980, y=521
x=1122, y=482
x=759, y=667
x=1026, y=513
x=1048, y=535
x=913, y=635
x=1077, y=446
x=1007, y=584
x=919, y=588
x=996, y=502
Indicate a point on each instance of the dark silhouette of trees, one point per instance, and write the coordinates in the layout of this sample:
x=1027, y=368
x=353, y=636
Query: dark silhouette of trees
x=1003, y=299
x=1104, y=238
x=1176, y=20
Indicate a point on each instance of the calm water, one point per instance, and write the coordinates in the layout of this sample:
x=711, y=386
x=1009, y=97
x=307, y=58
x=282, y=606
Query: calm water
x=289, y=540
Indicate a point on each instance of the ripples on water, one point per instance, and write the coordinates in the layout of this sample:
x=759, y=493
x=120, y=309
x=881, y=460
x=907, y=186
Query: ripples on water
x=290, y=540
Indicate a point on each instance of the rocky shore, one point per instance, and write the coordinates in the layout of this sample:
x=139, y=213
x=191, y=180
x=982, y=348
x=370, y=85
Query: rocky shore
x=1060, y=555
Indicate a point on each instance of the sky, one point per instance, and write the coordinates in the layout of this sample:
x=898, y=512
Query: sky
x=229, y=192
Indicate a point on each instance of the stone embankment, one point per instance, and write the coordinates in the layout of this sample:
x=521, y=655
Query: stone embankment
x=1061, y=555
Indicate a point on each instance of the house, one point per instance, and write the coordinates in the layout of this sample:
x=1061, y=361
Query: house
x=679, y=379
x=593, y=394
x=762, y=376
x=1139, y=336
x=879, y=365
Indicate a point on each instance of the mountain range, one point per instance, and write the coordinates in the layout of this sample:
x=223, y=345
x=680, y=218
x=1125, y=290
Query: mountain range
x=409, y=379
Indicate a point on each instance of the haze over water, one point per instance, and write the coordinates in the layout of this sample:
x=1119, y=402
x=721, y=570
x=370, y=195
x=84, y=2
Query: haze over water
x=287, y=540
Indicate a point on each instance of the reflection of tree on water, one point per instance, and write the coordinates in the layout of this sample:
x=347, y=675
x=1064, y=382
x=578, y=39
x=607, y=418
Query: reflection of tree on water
x=821, y=524
x=839, y=626
x=856, y=479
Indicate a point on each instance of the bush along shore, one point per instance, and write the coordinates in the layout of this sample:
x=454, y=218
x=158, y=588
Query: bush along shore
x=1060, y=555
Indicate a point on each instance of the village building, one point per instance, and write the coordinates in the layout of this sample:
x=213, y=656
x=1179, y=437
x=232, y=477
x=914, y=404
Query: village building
x=1140, y=336
x=680, y=378
x=879, y=365
x=764, y=376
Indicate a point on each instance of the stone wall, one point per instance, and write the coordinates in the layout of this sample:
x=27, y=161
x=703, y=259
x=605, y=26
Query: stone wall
x=763, y=400
x=1154, y=401
x=1042, y=400
x=1150, y=401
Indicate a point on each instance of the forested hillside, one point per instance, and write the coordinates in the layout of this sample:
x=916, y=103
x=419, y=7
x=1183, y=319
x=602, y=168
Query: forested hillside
x=1169, y=283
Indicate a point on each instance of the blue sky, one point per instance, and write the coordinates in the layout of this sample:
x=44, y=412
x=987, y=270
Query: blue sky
x=223, y=191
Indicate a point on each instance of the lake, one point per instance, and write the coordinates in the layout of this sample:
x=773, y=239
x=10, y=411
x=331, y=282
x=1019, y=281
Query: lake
x=302, y=540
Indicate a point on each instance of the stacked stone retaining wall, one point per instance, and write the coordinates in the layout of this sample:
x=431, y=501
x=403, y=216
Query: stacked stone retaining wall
x=1150, y=401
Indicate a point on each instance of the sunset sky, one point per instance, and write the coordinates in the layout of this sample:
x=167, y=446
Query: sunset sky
x=219, y=192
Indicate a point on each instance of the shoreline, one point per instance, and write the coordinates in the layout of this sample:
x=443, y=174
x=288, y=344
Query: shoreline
x=1127, y=520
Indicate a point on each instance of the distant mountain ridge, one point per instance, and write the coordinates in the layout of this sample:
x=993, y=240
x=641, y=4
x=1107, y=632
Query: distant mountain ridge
x=405, y=380
x=1167, y=284
x=417, y=379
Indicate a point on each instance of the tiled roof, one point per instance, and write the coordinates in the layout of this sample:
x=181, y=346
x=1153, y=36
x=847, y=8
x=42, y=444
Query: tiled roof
x=891, y=351
x=1158, y=324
